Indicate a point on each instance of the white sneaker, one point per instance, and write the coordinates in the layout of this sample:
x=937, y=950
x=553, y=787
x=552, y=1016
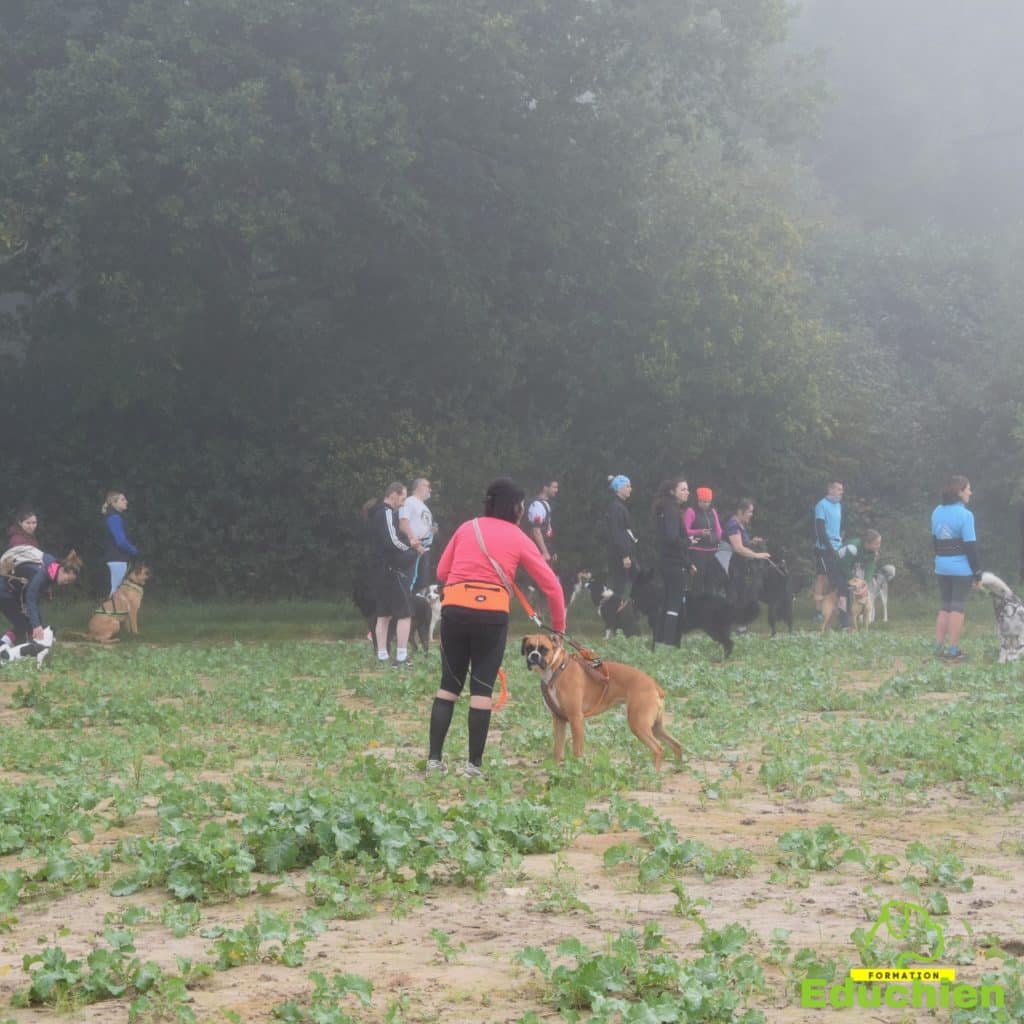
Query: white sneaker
x=471, y=771
x=436, y=767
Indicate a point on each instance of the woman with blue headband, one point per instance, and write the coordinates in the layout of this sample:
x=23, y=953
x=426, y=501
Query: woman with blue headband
x=622, y=566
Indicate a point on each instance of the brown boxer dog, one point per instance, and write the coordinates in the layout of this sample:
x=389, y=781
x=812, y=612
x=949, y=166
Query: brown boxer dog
x=575, y=690
x=123, y=604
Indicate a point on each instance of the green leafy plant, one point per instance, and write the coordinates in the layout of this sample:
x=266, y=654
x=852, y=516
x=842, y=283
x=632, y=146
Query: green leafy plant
x=637, y=978
x=325, y=1004
x=267, y=937
x=106, y=974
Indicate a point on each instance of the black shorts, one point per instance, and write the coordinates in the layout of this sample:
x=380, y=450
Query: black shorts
x=391, y=594
x=953, y=591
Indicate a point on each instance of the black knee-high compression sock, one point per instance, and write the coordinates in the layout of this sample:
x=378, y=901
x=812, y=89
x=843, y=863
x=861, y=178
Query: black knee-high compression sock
x=440, y=720
x=479, y=724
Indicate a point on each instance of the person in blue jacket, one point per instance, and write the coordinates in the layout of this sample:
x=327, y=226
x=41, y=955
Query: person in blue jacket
x=118, y=550
x=957, y=564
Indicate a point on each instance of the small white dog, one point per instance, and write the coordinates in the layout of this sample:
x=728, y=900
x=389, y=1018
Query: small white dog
x=432, y=594
x=878, y=591
x=37, y=649
x=1009, y=612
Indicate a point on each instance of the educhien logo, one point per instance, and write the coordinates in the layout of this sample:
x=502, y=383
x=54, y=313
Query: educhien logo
x=917, y=981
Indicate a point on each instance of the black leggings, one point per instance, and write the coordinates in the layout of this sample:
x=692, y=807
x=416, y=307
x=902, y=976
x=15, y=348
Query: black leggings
x=22, y=628
x=472, y=642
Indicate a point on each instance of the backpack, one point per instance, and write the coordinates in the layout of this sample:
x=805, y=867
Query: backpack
x=18, y=555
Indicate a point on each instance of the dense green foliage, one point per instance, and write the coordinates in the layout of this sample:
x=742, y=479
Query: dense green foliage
x=275, y=255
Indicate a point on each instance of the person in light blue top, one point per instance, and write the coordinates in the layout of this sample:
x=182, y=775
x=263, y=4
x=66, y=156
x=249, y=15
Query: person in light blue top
x=828, y=539
x=956, y=563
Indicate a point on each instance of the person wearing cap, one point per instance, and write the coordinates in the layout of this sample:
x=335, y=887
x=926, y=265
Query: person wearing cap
x=705, y=532
x=622, y=542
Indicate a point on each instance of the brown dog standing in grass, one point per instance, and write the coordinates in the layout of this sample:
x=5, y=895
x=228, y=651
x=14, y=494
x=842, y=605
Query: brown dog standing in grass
x=123, y=604
x=858, y=600
x=574, y=691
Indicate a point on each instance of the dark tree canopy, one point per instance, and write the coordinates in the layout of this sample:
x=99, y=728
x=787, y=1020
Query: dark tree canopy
x=274, y=255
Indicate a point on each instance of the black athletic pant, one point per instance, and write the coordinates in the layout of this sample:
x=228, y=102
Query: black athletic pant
x=674, y=575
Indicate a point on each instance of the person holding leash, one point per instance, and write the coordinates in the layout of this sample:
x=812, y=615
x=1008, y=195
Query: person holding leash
x=118, y=550
x=674, y=552
x=956, y=563
x=740, y=553
x=416, y=521
x=477, y=568
x=23, y=584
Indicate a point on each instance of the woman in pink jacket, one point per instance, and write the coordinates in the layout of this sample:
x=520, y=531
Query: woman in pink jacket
x=477, y=568
x=705, y=531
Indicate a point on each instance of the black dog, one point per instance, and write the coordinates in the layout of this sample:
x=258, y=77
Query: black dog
x=779, y=587
x=710, y=613
x=777, y=594
x=419, y=635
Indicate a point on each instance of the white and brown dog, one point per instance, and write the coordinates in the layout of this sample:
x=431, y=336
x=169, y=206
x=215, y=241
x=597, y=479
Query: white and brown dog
x=576, y=689
x=1009, y=612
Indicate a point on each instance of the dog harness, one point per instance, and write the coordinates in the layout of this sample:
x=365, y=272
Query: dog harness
x=593, y=667
x=113, y=608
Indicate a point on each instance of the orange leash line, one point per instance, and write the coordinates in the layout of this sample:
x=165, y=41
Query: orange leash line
x=502, y=693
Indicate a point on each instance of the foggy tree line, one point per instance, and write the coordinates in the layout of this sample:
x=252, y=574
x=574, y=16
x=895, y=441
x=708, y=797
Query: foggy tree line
x=269, y=256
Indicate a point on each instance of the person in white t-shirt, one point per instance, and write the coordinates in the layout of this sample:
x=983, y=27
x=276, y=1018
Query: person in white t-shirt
x=416, y=521
x=538, y=519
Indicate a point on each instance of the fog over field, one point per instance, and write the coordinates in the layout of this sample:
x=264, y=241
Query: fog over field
x=276, y=255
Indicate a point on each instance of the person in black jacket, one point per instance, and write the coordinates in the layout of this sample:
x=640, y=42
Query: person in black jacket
x=622, y=543
x=23, y=585
x=391, y=560
x=674, y=555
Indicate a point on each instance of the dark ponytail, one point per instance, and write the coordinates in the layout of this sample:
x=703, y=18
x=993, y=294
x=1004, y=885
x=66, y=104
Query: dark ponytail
x=504, y=500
